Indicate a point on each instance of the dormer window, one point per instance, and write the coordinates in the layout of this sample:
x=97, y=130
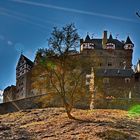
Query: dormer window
x=88, y=46
x=110, y=46
x=109, y=64
x=128, y=46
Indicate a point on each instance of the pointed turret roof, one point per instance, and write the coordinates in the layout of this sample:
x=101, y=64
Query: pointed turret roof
x=110, y=37
x=87, y=38
x=110, y=40
x=128, y=41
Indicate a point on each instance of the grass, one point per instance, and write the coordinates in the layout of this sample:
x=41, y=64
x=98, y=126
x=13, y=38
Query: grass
x=134, y=111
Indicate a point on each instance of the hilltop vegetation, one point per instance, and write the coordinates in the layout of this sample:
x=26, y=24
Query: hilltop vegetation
x=53, y=123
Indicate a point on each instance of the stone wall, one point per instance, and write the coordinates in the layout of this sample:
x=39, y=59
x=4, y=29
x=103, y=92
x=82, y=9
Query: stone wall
x=35, y=102
x=21, y=104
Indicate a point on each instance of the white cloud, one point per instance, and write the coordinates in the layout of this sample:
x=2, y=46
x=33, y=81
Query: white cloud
x=23, y=19
x=9, y=42
x=75, y=10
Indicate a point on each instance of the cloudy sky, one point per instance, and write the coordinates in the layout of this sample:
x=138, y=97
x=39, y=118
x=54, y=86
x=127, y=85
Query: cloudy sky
x=25, y=25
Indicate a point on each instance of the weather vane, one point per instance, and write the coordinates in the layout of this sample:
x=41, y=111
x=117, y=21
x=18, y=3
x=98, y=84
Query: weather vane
x=21, y=52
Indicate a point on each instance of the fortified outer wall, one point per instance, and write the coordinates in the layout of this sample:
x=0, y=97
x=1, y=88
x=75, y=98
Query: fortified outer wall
x=32, y=103
x=21, y=104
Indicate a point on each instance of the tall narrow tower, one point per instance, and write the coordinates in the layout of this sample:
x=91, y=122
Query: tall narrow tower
x=23, y=77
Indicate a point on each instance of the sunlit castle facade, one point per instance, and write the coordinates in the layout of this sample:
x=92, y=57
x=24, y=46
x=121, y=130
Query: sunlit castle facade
x=110, y=53
x=111, y=58
x=23, y=81
x=23, y=77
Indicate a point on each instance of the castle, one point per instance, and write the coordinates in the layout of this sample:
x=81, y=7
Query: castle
x=112, y=59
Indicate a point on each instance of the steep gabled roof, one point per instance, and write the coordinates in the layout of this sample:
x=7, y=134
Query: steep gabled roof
x=28, y=61
x=98, y=43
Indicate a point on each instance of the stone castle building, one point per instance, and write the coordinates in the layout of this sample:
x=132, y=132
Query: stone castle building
x=23, y=81
x=111, y=58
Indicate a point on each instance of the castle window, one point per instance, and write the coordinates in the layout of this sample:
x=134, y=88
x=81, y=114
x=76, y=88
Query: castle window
x=121, y=63
x=127, y=80
x=109, y=64
x=100, y=64
x=137, y=78
x=128, y=46
x=110, y=46
x=106, y=80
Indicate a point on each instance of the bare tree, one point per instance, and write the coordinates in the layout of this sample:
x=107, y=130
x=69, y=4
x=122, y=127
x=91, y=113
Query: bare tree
x=137, y=13
x=63, y=65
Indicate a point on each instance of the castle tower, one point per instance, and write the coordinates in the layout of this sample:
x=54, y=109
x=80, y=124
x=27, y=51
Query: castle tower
x=128, y=47
x=23, y=77
x=104, y=39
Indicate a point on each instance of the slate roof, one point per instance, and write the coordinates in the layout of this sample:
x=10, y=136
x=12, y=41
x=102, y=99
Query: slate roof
x=128, y=41
x=9, y=87
x=110, y=40
x=114, y=72
x=28, y=61
x=87, y=38
x=98, y=43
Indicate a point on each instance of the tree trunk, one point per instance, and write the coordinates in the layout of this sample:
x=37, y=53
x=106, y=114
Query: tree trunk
x=68, y=109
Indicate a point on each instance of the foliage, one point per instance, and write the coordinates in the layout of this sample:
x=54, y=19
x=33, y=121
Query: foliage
x=134, y=110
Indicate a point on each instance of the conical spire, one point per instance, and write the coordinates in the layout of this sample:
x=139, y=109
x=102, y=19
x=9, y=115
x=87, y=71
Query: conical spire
x=87, y=38
x=110, y=37
x=110, y=40
x=128, y=41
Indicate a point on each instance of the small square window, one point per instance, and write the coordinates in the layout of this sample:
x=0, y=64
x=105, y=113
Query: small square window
x=106, y=80
x=109, y=64
x=127, y=80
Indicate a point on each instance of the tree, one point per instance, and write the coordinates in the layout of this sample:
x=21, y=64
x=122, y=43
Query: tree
x=63, y=65
x=138, y=14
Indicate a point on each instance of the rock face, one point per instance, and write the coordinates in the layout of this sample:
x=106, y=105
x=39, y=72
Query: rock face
x=53, y=124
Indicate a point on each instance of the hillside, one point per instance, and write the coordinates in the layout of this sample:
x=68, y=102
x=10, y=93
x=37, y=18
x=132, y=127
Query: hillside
x=53, y=124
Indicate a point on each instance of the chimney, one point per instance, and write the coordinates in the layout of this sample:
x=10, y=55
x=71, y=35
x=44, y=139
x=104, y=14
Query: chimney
x=104, y=40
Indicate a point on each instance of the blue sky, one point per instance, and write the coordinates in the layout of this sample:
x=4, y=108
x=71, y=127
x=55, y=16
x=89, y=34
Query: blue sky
x=25, y=25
